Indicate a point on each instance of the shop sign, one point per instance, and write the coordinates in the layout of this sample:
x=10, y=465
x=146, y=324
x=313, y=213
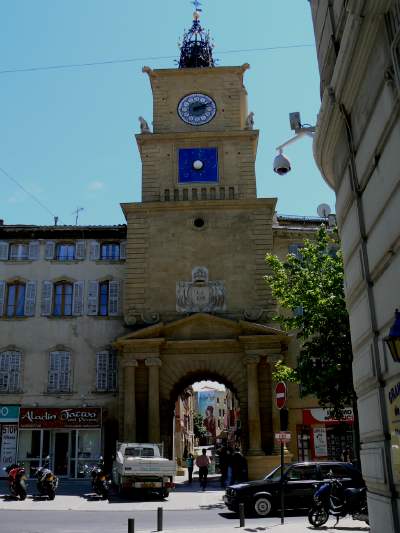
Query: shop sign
x=393, y=405
x=9, y=413
x=8, y=446
x=54, y=417
x=318, y=415
x=320, y=442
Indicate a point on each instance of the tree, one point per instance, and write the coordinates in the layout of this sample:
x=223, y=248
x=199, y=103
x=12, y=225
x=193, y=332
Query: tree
x=310, y=286
x=198, y=427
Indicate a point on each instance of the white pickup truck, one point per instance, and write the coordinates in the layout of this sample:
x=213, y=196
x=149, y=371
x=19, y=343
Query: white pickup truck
x=142, y=467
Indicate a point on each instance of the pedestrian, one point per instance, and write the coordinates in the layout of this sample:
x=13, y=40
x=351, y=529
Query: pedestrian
x=223, y=466
x=239, y=467
x=189, y=464
x=229, y=469
x=202, y=461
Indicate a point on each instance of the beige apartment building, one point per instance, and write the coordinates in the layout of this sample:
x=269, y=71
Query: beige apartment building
x=357, y=147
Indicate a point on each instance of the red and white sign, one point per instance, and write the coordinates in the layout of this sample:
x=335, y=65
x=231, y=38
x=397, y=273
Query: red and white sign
x=280, y=394
x=283, y=436
x=318, y=415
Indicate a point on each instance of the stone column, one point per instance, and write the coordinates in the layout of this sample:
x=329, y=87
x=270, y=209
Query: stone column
x=253, y=407
x=130, y=400
x=154, y=364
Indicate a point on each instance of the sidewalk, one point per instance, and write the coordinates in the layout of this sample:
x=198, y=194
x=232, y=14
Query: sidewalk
x=352, y=526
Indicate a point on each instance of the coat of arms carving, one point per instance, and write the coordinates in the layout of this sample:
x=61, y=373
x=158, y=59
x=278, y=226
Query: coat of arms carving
x=200, y=295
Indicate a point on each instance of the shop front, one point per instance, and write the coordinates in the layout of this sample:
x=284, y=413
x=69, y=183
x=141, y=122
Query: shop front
x=9, y=416
x=70, y=436
x=323, y=437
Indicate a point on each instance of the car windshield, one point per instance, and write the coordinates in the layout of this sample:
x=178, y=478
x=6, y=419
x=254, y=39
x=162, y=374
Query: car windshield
x=275, y=475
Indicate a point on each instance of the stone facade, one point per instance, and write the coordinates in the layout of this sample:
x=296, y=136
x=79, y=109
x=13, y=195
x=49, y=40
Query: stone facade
x=357, y=150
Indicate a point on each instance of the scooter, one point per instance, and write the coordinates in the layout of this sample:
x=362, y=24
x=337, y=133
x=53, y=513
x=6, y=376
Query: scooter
x=17, y=480
x=47, y=482
x=100, y=482
x=332, y=499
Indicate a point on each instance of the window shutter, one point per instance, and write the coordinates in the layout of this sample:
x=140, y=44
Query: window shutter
x=50, y=250
x=122, y=250
x=114, y=298
x=93, y=298
x=33, y=250
x=47, y=296
x=112, y=371
x=101, y=371
x=30, y=298
x=2, y=296
x=4, y=250
x=54, y=372
x=94, y=250
x=3, y=372
x=80, y=250
x=77, y=308
x=14, y=365
x=65, y=372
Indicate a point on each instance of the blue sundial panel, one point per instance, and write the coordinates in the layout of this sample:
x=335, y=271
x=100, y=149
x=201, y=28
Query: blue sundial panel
x=198, y=165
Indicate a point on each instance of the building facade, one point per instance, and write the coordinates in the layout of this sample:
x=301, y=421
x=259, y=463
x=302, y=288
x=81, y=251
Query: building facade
x=357, y=150
x=102, y=329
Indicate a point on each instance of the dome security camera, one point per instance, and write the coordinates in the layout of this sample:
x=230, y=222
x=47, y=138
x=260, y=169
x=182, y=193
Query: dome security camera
x=281, y=164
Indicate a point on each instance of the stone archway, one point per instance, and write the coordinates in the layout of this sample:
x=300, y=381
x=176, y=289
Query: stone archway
x=156, y=360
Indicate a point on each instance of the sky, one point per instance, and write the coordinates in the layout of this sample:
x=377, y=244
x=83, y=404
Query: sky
x=67, y=134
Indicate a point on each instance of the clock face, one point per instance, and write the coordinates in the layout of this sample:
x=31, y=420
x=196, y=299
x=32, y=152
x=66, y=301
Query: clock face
x=197, y=109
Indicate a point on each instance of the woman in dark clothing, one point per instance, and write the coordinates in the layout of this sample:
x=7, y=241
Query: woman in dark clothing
x=189, y=464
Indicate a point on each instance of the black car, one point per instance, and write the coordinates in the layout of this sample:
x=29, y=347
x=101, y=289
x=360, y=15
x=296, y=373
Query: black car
x=263, y=496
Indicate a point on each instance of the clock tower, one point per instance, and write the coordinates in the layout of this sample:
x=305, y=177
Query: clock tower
x=195, y=295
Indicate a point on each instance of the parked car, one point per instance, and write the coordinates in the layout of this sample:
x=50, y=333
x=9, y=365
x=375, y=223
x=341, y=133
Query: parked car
x=263, y=496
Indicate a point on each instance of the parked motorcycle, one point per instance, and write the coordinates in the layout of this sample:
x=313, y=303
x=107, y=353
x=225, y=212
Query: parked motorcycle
x=100, y=482
x=17, y=480
x=332, y=499
x=47, y=482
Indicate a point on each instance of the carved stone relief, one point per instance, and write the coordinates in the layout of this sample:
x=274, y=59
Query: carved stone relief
x=200, y=295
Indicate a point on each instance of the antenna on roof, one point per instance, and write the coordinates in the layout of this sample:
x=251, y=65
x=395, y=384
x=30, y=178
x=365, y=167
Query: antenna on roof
x=76, y=213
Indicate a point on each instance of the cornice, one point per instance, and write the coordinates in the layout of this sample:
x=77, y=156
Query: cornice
x=200, y=136
x=212, y=71
x=256, y=203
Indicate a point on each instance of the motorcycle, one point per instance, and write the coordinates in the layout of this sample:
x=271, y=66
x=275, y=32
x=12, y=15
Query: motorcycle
x=332, y=499
x=17, y=480
x=47, y=482
x=100, y=482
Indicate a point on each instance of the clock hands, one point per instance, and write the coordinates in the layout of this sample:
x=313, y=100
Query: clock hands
x=198, y=107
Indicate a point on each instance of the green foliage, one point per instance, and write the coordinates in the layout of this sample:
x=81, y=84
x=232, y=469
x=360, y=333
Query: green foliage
x=198, y=427
x=312, y=282
x=284, y=373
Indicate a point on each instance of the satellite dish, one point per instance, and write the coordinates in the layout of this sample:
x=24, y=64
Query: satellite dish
x=323, y=210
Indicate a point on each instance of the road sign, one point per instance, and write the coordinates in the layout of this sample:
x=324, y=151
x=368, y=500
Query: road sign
x=280, y=394
x=283, y=436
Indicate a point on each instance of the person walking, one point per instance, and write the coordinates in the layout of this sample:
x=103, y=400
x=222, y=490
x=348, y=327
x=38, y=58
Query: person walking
x=202, y=461
x=189, y=464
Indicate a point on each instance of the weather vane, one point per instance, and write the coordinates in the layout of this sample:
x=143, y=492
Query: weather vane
x=197, y=5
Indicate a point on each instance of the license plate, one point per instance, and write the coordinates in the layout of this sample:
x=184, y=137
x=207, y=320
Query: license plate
x=147, y=485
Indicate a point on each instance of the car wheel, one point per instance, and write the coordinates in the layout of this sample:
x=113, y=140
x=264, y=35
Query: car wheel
x=262, y=506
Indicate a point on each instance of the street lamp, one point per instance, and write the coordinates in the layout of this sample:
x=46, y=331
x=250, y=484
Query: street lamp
x=393, y=339
x=281, y=163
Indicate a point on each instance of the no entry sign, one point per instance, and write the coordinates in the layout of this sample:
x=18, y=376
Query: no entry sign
x=280, y=394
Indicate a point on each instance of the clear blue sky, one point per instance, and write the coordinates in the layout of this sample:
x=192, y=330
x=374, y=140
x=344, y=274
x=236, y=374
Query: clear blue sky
x=67, y=134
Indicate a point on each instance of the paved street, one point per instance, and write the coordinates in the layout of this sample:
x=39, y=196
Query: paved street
x=187, y=509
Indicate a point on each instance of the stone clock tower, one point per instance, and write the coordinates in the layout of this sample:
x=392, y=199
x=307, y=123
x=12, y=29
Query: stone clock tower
x=194, y=295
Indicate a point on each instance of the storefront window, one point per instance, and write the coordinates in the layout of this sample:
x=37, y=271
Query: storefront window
x=34, y=446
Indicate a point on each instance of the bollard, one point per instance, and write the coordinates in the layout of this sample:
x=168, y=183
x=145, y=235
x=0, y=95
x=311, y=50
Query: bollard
x=131, y=525
x=159, y=518
x=241, y=514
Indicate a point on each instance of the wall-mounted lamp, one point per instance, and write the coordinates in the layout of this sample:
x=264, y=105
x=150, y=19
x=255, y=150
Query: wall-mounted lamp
x=393, y=339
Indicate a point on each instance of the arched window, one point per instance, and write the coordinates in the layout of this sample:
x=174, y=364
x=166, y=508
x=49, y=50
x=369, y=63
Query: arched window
x=63, y=297
x=15, y=305
x=10, y=371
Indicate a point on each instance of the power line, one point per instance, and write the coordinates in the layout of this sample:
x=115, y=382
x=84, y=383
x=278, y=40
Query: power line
x=135, y=59
x=27, y=192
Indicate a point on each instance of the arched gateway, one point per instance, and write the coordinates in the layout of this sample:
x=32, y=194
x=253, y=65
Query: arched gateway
x=161, y=359
x=195, y=294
